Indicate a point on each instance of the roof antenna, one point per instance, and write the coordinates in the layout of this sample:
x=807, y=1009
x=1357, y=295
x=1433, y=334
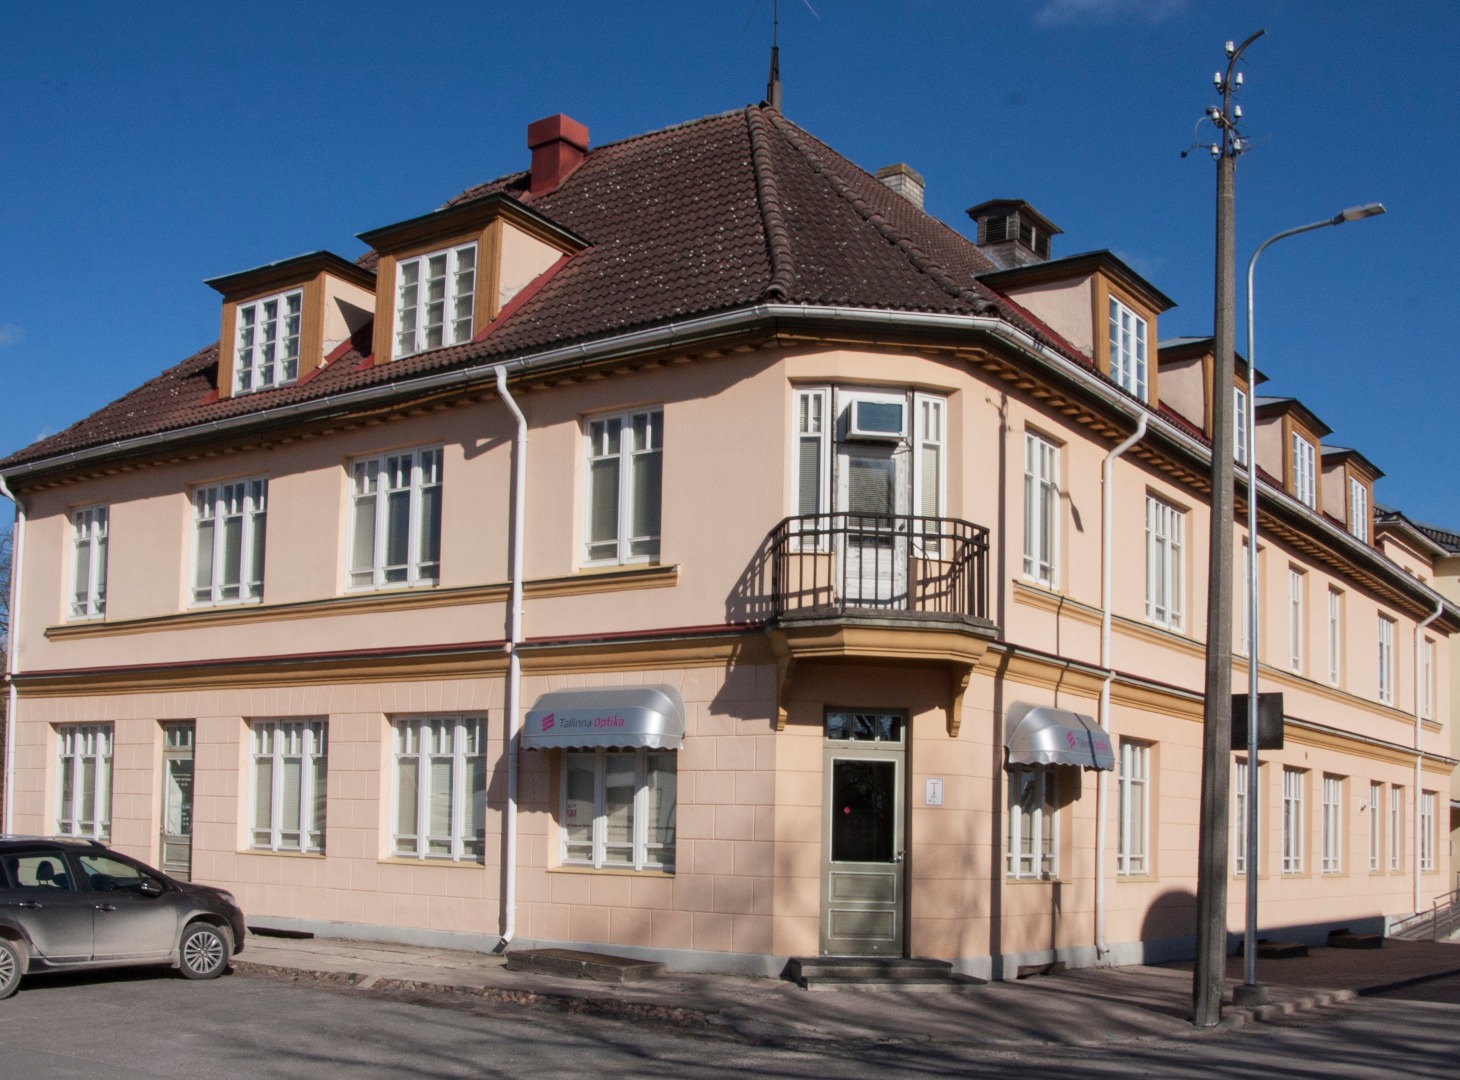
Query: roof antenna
x=773, y=84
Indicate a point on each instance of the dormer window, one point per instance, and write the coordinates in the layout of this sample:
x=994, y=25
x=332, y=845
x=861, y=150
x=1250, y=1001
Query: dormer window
x=1304, y=489
x=1358, y=509
x=435, y=299
x=266, y=353
x=1127, y=349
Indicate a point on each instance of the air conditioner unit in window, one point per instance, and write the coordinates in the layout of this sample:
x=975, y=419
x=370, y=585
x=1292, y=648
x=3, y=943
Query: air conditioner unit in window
x=879, y=420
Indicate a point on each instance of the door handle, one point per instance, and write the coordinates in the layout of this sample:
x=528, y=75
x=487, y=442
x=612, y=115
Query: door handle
x=31, y=904
x=898, y=857
x=106, y=907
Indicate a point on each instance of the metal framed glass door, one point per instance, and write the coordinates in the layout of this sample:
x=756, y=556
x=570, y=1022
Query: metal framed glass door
x=863, y=887
x=177, y=799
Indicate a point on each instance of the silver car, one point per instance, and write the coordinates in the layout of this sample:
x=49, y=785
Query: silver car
x=74, y=904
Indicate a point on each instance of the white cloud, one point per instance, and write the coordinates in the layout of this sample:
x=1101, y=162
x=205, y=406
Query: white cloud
x=1072, y=12
x=10, y=333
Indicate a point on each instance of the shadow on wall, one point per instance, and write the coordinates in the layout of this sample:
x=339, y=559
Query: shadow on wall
x=1168, y=931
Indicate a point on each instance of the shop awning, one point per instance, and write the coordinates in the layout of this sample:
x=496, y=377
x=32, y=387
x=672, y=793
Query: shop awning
x=1041, y=735
x=617, y=716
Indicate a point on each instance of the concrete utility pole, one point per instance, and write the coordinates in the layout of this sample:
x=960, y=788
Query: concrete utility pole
x=1216, y=755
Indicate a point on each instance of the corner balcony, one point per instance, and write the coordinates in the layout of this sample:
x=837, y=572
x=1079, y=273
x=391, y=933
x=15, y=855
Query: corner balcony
x=901, y=588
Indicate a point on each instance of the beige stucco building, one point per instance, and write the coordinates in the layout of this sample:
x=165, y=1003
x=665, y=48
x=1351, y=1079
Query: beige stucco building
x=691, y=548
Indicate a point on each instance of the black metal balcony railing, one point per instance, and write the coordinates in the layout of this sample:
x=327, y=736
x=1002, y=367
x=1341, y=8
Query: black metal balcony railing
x=836, y=564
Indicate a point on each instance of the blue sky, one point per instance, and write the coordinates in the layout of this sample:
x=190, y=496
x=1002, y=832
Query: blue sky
x=146, y=147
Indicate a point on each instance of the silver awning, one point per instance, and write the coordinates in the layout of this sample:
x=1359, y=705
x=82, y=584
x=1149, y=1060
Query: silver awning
x=619, y=716
x=1041, y=735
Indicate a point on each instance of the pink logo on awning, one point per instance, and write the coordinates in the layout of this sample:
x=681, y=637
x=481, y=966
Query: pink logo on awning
x=548, y=721
x=1070, y=738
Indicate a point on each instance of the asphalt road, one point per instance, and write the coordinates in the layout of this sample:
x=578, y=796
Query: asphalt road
x=127, y=1026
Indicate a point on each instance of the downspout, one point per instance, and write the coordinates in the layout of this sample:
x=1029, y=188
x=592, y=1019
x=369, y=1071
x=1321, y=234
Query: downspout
x=1103, y=791
x=1419, y=754
x=514, y=663
x=17, y=556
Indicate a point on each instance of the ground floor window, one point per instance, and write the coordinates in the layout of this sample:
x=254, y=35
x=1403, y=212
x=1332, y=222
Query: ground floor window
x=1033, y=822
x=440, y=787
x=1293, y=821
x=1332, y=824
x=618, y=808
x=1427, y=831
x=84, y=804
x=288, y=789
x=1135, y=808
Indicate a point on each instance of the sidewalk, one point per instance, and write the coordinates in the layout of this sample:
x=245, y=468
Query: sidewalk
x=1089, y=1006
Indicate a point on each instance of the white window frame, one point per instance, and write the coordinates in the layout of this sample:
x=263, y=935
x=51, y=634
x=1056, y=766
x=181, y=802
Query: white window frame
x=1376, y=825
x=218, y=510
x=1165, y=562
x=1359, y=516
x=1427, y=832
x=275, y=745
x=79, y=747
x=1134, y=843
x=644, y=854
x=811, y=434
x=378, y=486
x=640, y=445
x=1239, y=816
x=1396, y=828
x=434, y=322
x=1297, y=583
x=1335, y=636
x=90, y=527
x=1304, y=476
x=1128, y=349
x=459, y=742
x=1038, y=825
x=1239, y=426
x=1332, y=858
x=1041, y=509
x=1386, y=660
x=1244, y=600
x=1427, y=678
x=266, y=341
x=1293, y=783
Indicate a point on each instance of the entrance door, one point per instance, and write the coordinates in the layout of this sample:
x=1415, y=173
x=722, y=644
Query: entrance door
x=863, y=885
x=872, y=490
x=177, y=799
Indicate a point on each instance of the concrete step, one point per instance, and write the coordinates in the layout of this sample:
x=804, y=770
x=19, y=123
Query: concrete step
x=875, y=973
x=1342, y=939
x=1278, y=950
x=576, y=964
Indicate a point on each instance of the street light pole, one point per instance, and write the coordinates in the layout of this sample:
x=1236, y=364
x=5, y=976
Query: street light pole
x=1212, y=842
x=1250, y=993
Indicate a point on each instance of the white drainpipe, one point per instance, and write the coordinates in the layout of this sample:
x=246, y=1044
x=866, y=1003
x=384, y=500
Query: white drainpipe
x=1419, y=754
x=514, y=664
x=17, y=558
x=1103, y=790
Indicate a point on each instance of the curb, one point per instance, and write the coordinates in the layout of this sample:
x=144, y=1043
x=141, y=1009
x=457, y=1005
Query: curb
x=1239, y=1017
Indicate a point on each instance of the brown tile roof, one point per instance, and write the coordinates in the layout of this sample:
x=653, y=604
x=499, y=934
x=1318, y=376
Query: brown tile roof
x=709, y=216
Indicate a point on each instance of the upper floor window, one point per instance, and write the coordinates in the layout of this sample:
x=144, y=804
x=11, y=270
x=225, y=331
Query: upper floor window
x=1358, y=510
x=1335, y=636
x=1303, y=482
x=1041, y=508
x=625, y=473
x=266, y=352
x=1296, y=584
x=228, y=541
x=435, y=299
x=440, y=787
x=288, y=790
x=396, y=533
x=1386, y=660
x=813, y=456
x=1127, y=349
x=1427, y=678
x=88, y=562
x=1164, y=564
x=1239, y=426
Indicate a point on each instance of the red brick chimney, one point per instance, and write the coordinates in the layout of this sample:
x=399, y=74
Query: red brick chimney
x=558, y=144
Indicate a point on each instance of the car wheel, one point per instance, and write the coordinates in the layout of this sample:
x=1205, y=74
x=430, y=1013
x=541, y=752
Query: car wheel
x=12, y=966
x=204, y=951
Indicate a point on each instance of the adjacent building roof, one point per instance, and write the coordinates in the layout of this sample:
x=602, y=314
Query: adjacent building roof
x=718, y=214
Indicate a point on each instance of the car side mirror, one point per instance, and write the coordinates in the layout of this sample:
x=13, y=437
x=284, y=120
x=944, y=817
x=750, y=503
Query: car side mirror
x=148, y=887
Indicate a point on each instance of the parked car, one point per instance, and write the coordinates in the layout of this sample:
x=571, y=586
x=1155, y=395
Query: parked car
x=68, y=905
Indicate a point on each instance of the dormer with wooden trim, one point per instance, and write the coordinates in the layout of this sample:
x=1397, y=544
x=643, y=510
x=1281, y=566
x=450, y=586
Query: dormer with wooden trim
x=281, y=321
x=1289, y=446
x=1101, y=306
x=444, y=277
x=1186, y=366
x=1348, y=490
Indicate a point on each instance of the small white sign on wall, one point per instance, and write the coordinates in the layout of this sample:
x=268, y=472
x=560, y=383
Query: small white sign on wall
x=933, y=791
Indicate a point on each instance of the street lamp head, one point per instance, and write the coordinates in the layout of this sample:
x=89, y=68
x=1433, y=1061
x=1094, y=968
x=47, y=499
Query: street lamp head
x=1354, y=213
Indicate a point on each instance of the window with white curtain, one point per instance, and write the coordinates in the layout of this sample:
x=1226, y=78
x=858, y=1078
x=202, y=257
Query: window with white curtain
x=1165, y=526
x=1033, y=805
x=228, y=541
x=1304, y=456
x=1293, y=781
x=624, y=489
x=1239, y=427
x=396, y=531
x=84, y=790
x=1127, y=349
x=1243, y=605
x=1133, y=850
x=1376, y=825
x=288, y=795
x=1427, y=831
x=618, y=809
x=812, y=436
x=1396, y=828
x=1335, y=636
x=435, y=297
x=1239, y=816
x=1041, y=508
x=89, y=527
x=1297, y=581
x=1358, y=509
x=1332, y=824
x=440, y=787
x=1427, y=678
x=1386, y=660
x=266, y=342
